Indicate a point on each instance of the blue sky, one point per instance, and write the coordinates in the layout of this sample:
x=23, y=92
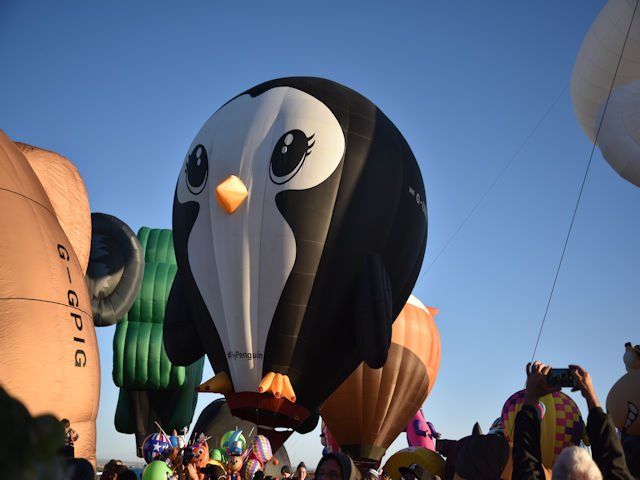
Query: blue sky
x=121, y=89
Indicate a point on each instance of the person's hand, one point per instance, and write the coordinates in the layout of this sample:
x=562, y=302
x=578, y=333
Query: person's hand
x=582, y=382
x=537, y=383
x=192, y=472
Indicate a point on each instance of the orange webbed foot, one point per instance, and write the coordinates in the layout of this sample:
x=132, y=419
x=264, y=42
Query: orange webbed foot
x=277, y=384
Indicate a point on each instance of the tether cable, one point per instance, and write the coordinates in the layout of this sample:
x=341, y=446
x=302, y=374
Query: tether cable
x=584, y=179
x=495, y=181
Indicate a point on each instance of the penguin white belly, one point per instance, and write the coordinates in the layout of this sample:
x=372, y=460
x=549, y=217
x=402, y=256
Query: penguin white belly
x=241, y=261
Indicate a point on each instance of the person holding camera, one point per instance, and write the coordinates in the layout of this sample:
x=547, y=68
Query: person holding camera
x=605, y=444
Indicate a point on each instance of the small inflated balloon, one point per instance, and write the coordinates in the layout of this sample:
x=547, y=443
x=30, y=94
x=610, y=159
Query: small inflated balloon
x=200, y=453
x=157, y=470
x=261, y=448
x=562, y=425
x=623, y=402
x=429, y=459
x=216, y=421
x=250, y=468
x=232, y=437
x=218, y=454
x=154, y=446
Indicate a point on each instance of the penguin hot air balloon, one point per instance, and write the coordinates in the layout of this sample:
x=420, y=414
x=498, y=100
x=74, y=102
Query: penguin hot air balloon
x=300, y=226
x=372, y=406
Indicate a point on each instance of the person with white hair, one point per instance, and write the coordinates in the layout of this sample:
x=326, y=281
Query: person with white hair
x=573, y=463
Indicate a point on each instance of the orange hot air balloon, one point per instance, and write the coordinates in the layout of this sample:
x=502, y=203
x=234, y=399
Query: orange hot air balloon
x=370, y=409
x=48, y=349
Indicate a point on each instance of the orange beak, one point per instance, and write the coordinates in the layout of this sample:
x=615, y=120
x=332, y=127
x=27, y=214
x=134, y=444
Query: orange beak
x=230, y=193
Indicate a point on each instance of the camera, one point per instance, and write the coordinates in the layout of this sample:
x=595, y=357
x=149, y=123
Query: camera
x=187, y=456
x=560, y=377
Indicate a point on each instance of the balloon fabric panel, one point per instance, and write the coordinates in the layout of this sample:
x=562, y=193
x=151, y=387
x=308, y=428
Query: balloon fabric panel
x=605, y=76
x=68, y=196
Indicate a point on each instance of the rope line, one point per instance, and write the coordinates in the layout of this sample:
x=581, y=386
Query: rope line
x=584, y=179
x=495, y=181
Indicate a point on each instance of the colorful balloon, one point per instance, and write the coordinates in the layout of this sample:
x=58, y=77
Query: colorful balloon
x=157, y=470
x=368, y=411
x=429, y=459
x=216, y=422
x=154, y=446
x=261, y=449
x=300, y=225
x=250, y=468
x=152, y=389
x=561, y=426
x=48, y=343
x=623, y=401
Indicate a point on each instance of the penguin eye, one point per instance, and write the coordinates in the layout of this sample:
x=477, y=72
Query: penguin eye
x=289, y=155
x=197, y=169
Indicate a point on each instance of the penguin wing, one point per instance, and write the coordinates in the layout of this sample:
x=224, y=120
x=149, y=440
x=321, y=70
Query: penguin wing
x=181, y=340
x=373, y=306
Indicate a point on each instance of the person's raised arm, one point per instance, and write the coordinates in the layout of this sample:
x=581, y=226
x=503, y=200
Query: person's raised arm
x=605, y=444
x=527, y=457
x=582, y=383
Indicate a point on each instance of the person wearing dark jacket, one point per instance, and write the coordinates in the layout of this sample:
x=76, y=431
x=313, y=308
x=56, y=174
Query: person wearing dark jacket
x=605, y=444
x=336, y=466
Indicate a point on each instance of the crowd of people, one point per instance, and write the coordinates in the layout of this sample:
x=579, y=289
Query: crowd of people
x=491, y=455
x=608, y=460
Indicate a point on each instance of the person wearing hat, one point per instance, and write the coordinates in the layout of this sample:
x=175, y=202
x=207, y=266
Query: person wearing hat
x=385, y=475
x=336, y=466
x=285, y=471
x=416, y=472
x=301, y=471
x=372, y=474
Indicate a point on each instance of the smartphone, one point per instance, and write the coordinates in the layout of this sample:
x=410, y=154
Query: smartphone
x=560, y=377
